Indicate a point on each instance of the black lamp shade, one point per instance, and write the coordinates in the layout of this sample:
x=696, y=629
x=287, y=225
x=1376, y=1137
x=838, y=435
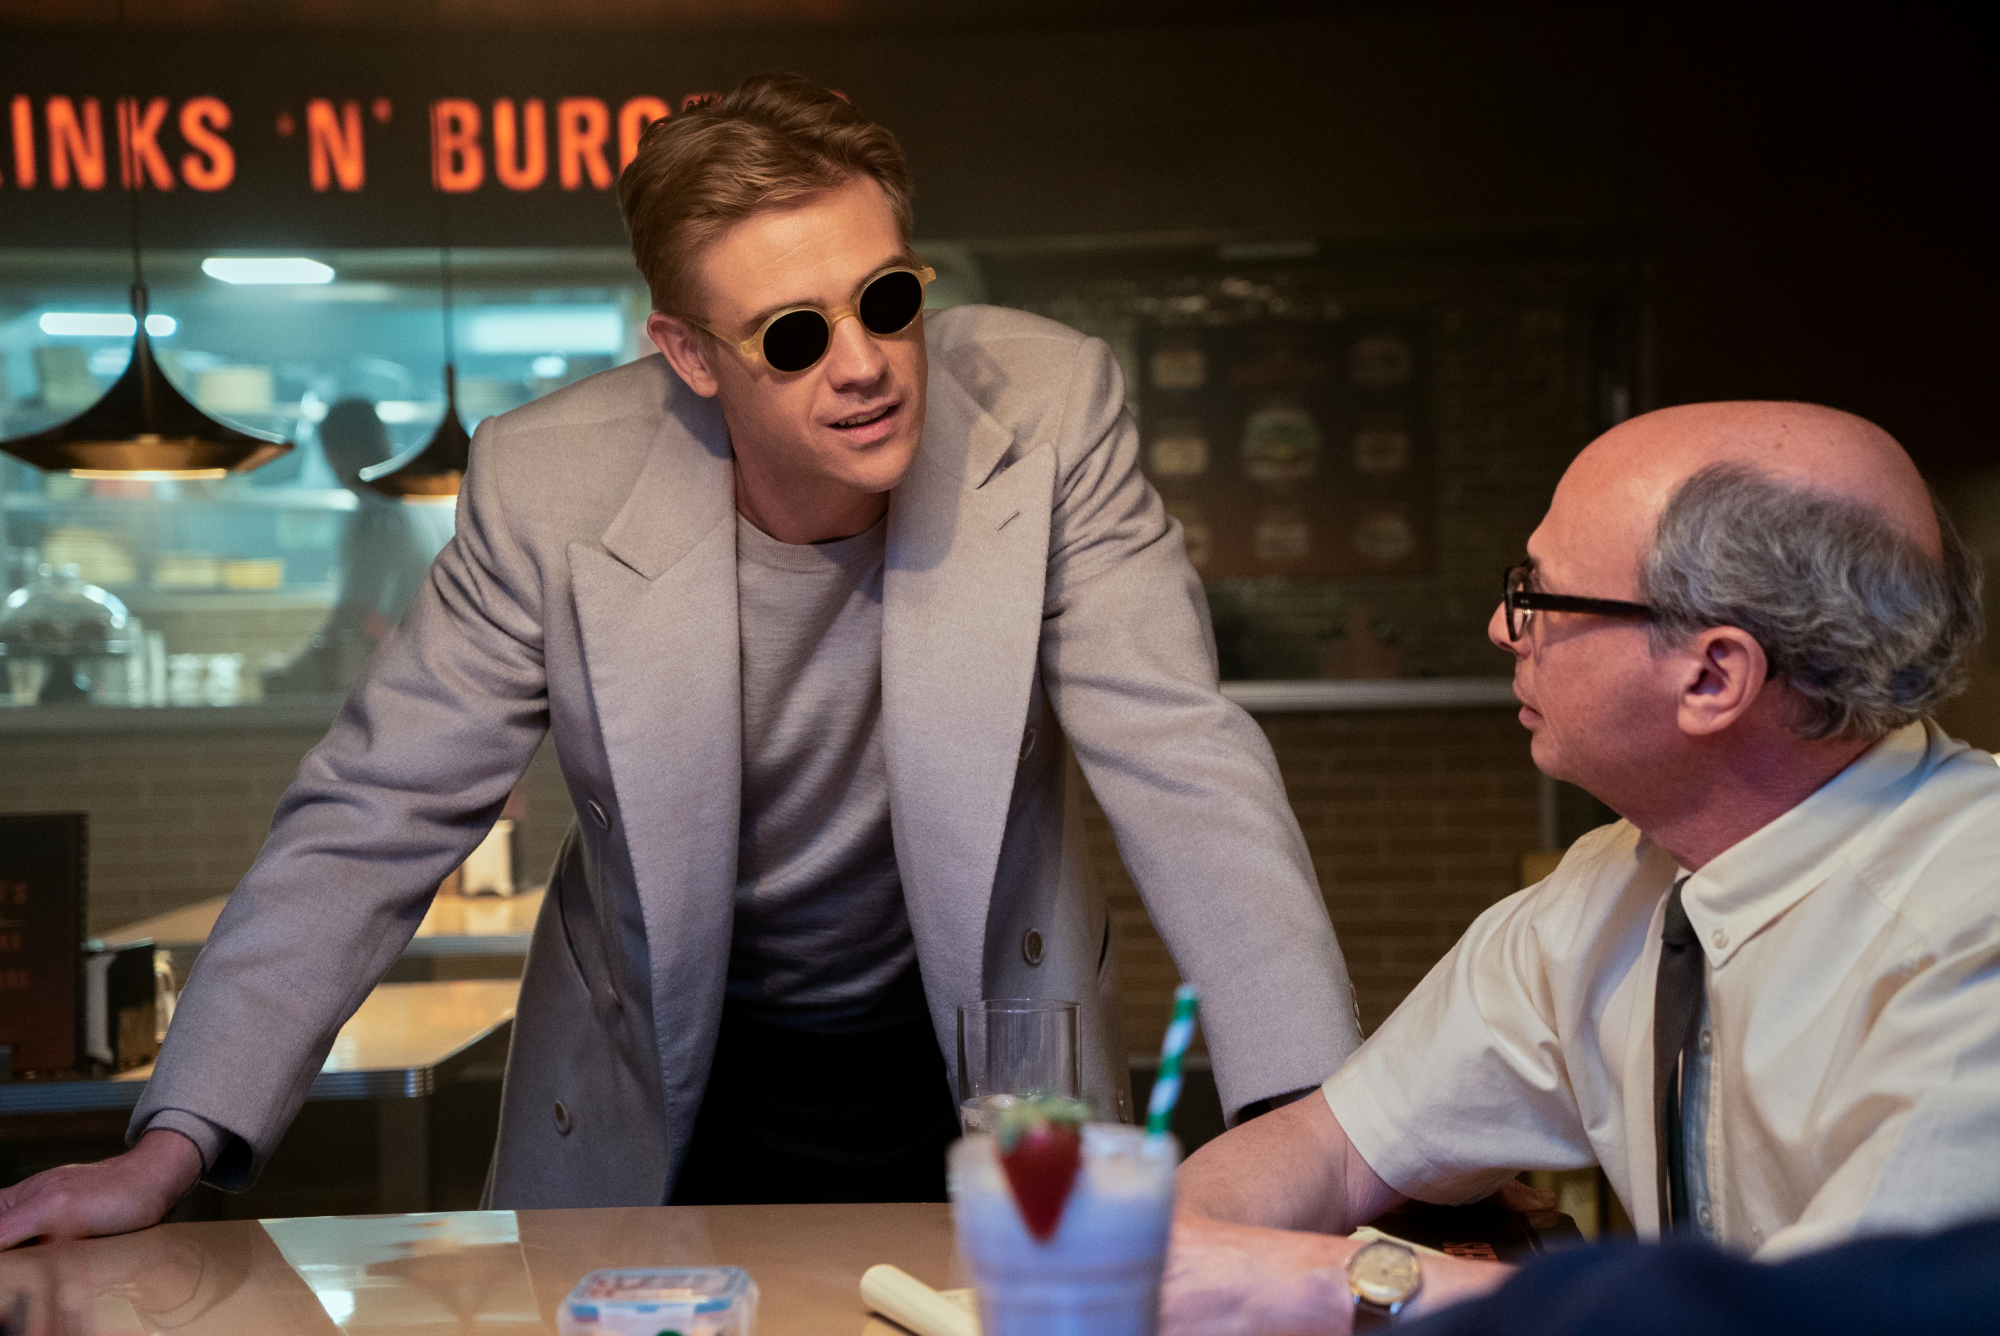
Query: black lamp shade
x=143, y=426
x=434, y=469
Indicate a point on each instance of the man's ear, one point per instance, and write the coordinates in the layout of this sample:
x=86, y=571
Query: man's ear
x=685, y=350
x=1723, y=674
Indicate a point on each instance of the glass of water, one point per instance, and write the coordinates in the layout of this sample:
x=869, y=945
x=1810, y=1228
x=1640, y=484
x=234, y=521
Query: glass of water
x=1012, y=1047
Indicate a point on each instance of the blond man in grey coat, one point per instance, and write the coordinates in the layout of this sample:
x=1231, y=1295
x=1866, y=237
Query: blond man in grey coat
x=828, y=610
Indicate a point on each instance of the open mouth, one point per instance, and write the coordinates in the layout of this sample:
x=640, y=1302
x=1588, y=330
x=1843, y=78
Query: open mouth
x=866, y=419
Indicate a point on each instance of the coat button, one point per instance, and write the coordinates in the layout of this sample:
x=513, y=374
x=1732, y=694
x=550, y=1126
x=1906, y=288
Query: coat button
x=562, y=1118
x=597, y=814
x=1031, y=947
x=1027, y=743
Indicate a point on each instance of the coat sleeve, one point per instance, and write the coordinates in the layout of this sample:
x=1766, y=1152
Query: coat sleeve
x=405, y=784
x=1187, y=779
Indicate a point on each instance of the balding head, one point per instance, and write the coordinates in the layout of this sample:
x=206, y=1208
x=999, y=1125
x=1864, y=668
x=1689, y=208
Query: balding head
x=1628, y=474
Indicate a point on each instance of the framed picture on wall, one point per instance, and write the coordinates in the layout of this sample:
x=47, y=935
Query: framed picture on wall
x=1291, y=447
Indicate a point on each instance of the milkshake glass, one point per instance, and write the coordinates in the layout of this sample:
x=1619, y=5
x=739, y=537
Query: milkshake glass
x=1099, y=1274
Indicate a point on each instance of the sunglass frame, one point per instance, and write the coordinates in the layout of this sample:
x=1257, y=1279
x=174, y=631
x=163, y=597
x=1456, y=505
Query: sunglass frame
x=752, y=348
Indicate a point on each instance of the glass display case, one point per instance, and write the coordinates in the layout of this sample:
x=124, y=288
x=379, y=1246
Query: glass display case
x=236, y=578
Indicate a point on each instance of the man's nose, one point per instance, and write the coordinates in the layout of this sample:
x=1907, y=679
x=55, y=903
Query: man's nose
x=854, y=360
x=1496, y=631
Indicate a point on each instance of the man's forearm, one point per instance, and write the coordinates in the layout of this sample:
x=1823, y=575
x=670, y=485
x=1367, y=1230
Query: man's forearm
x=1293, y=1168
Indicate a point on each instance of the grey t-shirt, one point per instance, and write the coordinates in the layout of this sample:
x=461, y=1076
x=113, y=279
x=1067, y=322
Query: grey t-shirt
x=822, y=940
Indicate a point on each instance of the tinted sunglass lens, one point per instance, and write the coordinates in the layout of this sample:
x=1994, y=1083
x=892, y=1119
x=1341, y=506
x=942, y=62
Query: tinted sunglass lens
x=891, y=302
x=794, y=342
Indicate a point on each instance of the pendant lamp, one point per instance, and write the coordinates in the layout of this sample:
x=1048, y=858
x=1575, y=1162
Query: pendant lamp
x=432, y=471
x=143, y=427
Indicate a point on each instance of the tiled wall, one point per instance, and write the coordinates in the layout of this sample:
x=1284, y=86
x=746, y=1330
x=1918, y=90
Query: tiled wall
x=177, y=817
x=1416, y=821
x=174, y=816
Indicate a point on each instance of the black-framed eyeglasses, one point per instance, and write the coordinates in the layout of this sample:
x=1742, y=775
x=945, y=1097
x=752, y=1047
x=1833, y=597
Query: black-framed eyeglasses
x=1523, y=602
x=798, y=337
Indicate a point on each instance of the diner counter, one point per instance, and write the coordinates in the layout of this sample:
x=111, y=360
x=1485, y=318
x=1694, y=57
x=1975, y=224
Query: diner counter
x=393, y=1046
x=454, y=925
x=482, y=1272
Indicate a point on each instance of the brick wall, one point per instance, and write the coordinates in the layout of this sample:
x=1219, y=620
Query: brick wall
x=1416, y=821
x=177, y=817
x=174, y=816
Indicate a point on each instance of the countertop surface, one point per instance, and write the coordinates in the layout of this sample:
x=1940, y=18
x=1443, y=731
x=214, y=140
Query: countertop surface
x=480, y=1273
x=454, y=925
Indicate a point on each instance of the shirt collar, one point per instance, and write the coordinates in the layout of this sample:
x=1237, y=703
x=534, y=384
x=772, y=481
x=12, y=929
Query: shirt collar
x=1747, y=886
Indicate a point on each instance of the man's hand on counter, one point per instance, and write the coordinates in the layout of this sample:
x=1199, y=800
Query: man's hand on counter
x=113, y=1196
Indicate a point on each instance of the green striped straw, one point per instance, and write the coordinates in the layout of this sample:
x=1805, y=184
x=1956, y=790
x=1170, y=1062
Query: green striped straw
x=1173, y=1049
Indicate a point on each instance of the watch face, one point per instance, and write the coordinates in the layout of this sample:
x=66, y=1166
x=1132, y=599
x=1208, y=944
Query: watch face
x=1384, y=1274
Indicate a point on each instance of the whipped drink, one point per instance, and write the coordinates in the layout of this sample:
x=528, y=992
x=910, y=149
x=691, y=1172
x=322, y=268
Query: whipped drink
x=1098, y=1274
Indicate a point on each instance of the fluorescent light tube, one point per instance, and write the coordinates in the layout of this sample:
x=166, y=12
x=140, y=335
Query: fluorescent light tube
x=104, y=324
x=266, y=269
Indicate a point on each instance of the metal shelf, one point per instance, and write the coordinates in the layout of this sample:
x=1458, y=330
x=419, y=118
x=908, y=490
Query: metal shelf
x=1406, y=693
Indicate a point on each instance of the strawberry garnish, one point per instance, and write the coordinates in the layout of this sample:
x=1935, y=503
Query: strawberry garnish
x=1041, y=1149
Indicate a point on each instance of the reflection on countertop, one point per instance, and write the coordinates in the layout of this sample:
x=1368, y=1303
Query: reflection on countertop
x=486, y=1272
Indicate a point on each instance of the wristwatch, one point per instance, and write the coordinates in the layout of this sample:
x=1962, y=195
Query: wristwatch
x=1383, y=1277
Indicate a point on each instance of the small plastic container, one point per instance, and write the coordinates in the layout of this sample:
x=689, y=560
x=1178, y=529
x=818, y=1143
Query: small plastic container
x=661, y=1301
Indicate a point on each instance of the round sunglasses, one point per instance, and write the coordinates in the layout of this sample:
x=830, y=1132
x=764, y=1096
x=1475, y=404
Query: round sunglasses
x=798, y=337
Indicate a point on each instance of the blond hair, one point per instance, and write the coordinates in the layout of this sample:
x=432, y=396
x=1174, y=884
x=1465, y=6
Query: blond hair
x=772, y=140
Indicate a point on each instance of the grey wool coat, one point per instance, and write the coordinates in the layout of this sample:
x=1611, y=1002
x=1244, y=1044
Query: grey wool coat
x=1040, y=622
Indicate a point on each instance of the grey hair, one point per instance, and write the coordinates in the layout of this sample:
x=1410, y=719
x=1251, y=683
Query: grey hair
x=1868, y=628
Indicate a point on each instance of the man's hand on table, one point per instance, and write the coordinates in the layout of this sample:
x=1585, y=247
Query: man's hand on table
x=1241, y=1280
x=113, y=1196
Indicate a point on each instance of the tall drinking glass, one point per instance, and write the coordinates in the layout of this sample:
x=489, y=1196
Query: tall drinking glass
x=1099, y=1273
x=1014, y=1047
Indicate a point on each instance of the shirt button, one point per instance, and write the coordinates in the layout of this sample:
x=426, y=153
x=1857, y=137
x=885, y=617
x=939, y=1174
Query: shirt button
x=1707, y=1218
x=1031, y=947
x=562, y=1118
x=598, y=815
x=1708, y=1041
x=1720, y=937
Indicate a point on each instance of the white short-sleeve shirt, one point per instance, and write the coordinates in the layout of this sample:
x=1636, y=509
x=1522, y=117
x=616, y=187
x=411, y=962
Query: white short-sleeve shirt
x=1854, y=999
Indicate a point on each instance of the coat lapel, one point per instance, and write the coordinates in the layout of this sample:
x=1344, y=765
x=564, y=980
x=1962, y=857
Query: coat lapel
x=656, y=605
x=961, y=628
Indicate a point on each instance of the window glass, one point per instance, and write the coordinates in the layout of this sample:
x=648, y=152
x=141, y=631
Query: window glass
x=281, y=580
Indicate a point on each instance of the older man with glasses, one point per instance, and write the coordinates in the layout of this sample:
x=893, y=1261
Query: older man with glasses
x=1767, y=1002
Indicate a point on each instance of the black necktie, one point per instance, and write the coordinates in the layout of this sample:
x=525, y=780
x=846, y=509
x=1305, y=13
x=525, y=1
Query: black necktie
x=1676, y=1004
